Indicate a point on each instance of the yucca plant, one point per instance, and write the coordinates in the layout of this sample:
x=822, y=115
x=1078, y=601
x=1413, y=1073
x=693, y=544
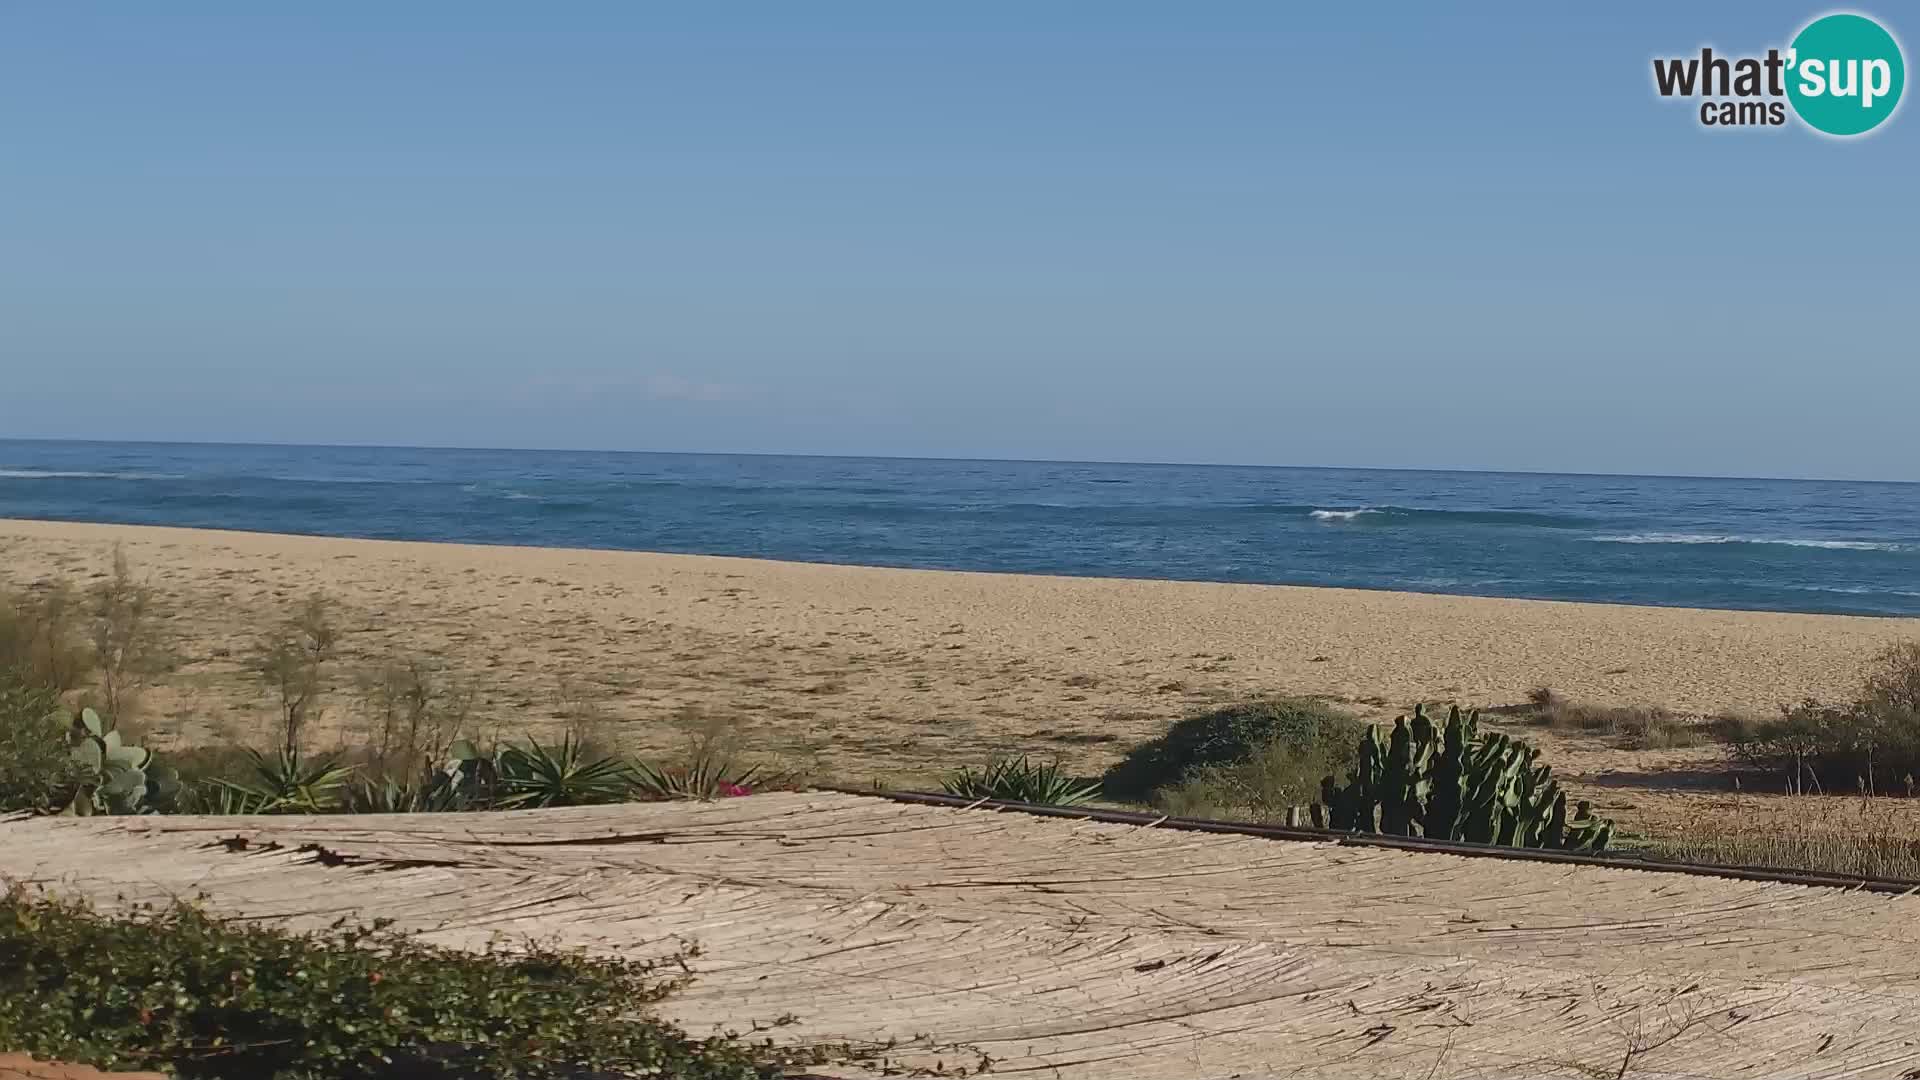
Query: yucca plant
x=1019, y=779
x=563, y=775
x=285, y=783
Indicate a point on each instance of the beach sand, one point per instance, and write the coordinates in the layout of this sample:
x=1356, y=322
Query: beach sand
x=860, y=674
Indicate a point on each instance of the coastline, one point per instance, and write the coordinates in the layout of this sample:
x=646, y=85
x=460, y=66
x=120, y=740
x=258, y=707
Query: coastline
x=962, y=662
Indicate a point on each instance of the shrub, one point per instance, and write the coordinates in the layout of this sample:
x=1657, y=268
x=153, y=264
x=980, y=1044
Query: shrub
x=1245, y=746
x=1019, y=779
x=415, y=711
x=125, y=634
x=36, y=768
x=293, y=660
x=179, y=990
x=1823, y=746
x=511, y=777
x=1638, y=727
x=1871, y=743
x=1652, y=730
x=1892, y=683
x=1277, y=780
x=41, y=642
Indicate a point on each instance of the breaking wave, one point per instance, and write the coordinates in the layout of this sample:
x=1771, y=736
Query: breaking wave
x=1717, y=538
x=55, y=474
x=1406, y=515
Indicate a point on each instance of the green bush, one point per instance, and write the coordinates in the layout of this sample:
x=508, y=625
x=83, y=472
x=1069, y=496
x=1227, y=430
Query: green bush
x=1279, y=780
x=178, y=990
x=1871, y=742
x=36, y=768
x=1263, y=752
x=1826, y=746
x=1892, y=682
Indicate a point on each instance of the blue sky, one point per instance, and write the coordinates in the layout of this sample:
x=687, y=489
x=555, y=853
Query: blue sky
x=1368, y=234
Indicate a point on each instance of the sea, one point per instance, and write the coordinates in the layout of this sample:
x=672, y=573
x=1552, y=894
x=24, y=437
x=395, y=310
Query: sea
x=1786, y=545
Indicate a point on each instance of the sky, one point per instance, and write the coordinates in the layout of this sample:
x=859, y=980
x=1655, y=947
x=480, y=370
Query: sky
x=1418, y=235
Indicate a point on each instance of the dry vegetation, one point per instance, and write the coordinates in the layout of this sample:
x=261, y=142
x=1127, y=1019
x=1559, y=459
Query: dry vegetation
x=408, y=742
x=1864, y=836
x=1633, y=727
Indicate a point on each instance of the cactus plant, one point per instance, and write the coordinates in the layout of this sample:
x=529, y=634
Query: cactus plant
x=116, y=777
x=1456, y=784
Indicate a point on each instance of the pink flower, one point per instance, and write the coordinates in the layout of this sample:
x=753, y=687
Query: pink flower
x=731, y=790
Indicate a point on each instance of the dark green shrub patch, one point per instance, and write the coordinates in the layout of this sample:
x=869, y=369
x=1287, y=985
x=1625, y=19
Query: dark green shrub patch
x=1871, y=743
x=179, y=990
x=1294, y=741
x=36, y=768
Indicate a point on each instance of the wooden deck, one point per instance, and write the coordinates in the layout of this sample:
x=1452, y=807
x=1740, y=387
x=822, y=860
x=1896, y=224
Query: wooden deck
x=1083, y=950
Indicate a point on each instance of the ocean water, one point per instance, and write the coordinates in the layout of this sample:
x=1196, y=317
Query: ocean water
x=1786, y=545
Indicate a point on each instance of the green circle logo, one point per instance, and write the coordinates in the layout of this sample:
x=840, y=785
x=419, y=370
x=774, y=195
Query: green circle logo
x=1845, y=74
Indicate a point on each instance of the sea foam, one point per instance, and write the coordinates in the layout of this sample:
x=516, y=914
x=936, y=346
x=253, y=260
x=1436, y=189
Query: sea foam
x=54, y=474
x=1718, y=538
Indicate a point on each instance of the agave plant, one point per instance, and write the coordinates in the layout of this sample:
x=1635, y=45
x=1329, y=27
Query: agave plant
x=393, y=797
x=467, y=780
x=226, y=798
x=285, y=782
x=706, y=774
x=1018, y=779
x=562, y=775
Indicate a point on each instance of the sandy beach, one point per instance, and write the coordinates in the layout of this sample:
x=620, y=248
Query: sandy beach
x=860, y=673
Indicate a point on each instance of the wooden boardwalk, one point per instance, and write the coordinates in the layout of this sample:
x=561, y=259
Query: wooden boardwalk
x=1083, y=950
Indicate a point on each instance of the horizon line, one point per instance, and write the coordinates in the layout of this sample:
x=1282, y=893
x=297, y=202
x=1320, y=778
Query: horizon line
x=923, y=457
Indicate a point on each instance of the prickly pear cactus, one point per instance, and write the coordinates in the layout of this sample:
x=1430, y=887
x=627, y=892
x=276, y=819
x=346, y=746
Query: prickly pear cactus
x=1455, y=784
x=116, y=777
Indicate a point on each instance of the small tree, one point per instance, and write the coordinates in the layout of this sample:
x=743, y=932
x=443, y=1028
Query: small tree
x=415, y=711
x=124, y=633
x=293, y=660
x=1893, y=679
x=36, y=767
